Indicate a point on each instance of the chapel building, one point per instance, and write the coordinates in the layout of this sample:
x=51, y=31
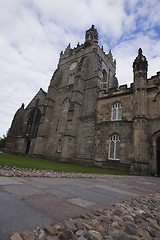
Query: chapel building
x=87, y=118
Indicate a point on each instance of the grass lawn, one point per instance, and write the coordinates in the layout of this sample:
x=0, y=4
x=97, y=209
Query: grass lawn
x=36, y=163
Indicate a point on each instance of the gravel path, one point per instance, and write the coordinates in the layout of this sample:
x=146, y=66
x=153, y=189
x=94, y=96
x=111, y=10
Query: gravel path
x=24, y=172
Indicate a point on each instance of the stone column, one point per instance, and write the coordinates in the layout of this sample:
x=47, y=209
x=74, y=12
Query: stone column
x=140, y=164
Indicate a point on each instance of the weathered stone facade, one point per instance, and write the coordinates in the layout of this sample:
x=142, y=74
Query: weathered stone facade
x=85, y=117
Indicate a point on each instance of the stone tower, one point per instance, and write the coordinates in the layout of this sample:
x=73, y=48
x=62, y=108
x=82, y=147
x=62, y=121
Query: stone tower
x=68, y=128
x=140, y=119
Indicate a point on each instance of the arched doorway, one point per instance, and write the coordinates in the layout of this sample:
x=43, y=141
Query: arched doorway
x=28, y=146
x=158, y=155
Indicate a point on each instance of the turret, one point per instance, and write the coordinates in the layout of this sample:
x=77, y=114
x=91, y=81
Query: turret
x=91, y=36
x=140, y=120
x=140, y=68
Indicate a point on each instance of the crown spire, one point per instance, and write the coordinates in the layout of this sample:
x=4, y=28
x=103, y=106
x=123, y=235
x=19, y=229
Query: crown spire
x=91, y=36
x=140, y=63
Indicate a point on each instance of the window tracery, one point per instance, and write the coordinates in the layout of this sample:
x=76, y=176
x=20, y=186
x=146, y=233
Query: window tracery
x=116, y=112
x=33, y=122
x=114, y=147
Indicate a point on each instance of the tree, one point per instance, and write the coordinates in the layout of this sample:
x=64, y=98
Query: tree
x=3, y=141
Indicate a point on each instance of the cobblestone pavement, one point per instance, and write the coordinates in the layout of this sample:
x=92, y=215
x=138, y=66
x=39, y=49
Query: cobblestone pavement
x=78, y=206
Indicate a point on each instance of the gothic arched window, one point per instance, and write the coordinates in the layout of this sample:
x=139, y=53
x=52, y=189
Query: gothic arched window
x=104, y=76
x=71, y=79
x=66, y=104
x=104, y=81
x=114, y=147
x=33, y=122
x=116, y=112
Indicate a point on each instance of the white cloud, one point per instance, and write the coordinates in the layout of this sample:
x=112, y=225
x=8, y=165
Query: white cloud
x=127, y=51
x=34, y=32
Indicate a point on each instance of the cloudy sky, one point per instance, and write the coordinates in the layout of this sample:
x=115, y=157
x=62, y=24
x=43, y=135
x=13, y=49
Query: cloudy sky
x=34, y=32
